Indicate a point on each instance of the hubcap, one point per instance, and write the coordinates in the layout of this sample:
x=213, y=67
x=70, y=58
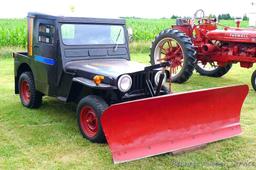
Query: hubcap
x=88, y=121
x=168, y=49
x=208, y=66
x=25, y=91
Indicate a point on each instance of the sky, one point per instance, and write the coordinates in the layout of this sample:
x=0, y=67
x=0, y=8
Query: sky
x=121, y=8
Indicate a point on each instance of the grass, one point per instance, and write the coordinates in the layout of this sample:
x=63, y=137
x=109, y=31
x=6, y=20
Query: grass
x=49, y=138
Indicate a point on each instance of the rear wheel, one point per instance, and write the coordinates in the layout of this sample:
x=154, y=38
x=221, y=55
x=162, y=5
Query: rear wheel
x=89, y=111
x=253, y=80
x=175, y=46
x=212, y=69
x=28, y=95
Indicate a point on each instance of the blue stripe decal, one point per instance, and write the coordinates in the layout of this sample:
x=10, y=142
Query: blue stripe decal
x=45, y=60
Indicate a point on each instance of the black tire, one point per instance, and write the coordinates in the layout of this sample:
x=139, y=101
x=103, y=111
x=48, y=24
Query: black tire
x=99, y=106
x=218, y=72
x=187, y=48
x=35, y=97
x=253, y=80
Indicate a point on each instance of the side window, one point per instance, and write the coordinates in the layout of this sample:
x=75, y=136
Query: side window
x=46, y=33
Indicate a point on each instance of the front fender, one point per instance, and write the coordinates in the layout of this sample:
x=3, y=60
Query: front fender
x=78, y=84
x=91, y=84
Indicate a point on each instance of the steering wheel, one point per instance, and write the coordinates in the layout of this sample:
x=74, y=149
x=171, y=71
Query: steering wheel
x=199, y=14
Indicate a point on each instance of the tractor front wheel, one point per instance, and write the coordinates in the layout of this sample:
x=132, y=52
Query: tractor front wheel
x=253, y=80
x=89, y=111
x=175, y=46
x=212, y=69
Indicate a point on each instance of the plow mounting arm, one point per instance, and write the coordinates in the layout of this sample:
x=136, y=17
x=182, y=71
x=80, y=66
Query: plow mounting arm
x=149, y=84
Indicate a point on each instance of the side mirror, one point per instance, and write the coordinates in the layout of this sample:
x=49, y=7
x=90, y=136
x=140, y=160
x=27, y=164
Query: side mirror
x=130, y=33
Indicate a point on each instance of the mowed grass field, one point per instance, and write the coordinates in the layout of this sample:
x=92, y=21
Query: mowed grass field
x=49, y=138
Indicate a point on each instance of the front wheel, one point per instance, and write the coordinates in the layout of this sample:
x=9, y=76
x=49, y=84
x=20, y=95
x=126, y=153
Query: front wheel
x=89, y=112
x=253, y=80
x=175, y=46
x=212, y=69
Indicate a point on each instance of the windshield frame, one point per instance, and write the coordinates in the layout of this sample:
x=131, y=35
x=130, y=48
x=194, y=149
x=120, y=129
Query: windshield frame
x=93, y=45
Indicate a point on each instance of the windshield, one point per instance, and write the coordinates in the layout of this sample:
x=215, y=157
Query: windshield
x=92, y=34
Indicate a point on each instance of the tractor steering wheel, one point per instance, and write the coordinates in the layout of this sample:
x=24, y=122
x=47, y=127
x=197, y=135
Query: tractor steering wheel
x=197, y=16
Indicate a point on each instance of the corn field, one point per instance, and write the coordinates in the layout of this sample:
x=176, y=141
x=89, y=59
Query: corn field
x=13, y=32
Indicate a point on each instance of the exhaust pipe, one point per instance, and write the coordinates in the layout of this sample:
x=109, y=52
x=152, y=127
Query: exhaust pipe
x=207, y=48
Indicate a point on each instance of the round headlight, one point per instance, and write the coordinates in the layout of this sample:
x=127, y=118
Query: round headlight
x=124, y=83
x=157, y=77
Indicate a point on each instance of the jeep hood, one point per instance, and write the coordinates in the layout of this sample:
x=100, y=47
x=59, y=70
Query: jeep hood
x=106, y=67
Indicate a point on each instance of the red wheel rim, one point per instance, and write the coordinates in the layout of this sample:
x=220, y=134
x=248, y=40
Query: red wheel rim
x=88, y=121
x=25, y=91
x=170, y=49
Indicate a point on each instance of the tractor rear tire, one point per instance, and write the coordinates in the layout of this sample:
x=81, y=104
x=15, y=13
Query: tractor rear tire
x=253, y=80
x=89, y=112
x=218, y=72
x=29, y=96
x=188, y=53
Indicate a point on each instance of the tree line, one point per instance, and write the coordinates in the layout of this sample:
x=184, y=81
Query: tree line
x=220, y=17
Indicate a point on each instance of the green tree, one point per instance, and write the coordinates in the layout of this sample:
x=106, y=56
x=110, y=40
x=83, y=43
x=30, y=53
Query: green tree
x=245, y=18
x=174, y=17
x=225, y=17
x=212, y=16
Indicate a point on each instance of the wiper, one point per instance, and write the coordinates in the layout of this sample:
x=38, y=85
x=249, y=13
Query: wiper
x=117, y=38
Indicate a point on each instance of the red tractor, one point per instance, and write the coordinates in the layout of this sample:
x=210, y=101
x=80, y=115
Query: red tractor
x=215, y=50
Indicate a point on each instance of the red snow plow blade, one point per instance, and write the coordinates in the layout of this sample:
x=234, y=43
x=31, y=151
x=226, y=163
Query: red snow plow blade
x=173, y=122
